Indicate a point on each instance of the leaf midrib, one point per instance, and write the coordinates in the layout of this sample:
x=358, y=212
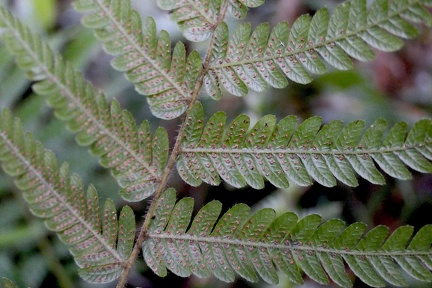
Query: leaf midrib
x=302, y=247
x=315, y=46
x=308, y=151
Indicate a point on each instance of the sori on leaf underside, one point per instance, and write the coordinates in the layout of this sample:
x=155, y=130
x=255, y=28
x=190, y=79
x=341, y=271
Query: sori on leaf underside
x=105, y=246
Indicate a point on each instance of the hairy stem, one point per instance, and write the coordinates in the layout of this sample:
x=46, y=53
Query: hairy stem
x=294, y=246
x=311, y=151
x=172, y=159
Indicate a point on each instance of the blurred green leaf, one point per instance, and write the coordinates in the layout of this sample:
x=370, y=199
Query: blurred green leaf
x=45, y=12
x=6, y=283
x=22, y=234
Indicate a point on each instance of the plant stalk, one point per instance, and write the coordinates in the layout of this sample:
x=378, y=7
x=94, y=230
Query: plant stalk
x=172, y=159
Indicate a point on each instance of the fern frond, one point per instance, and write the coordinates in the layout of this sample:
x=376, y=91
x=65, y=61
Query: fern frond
x=255, y=61
x=111, y=132
x=262, y=243
x=145, y=58
x=197, y=19
x=282, y=152
x=99, y=249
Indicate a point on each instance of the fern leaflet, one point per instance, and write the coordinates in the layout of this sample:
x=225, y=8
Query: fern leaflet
x=255, y=61
x=99, y=247
x=282, y=152
x=259, y=244
x=197, y=19
x=146, y=59
x=135, y=158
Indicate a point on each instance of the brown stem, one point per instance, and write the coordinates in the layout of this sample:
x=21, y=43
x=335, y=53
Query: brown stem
x=172, y=159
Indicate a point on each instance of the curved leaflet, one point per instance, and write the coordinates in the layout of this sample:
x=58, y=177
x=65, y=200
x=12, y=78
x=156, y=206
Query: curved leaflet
x=100, y=243
x=145, y=58
x=112, y=133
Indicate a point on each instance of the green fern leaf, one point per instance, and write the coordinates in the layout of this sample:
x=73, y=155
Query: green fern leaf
x=254, y=61
x=197, y=19
x=99, y=249
x=252, y=3
x=111, y=132
x=283, y=153
x=262, y=243
x=145, y=58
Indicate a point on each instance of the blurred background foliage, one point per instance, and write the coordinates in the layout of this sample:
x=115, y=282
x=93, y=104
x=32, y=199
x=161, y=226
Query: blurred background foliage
x=395, y=86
